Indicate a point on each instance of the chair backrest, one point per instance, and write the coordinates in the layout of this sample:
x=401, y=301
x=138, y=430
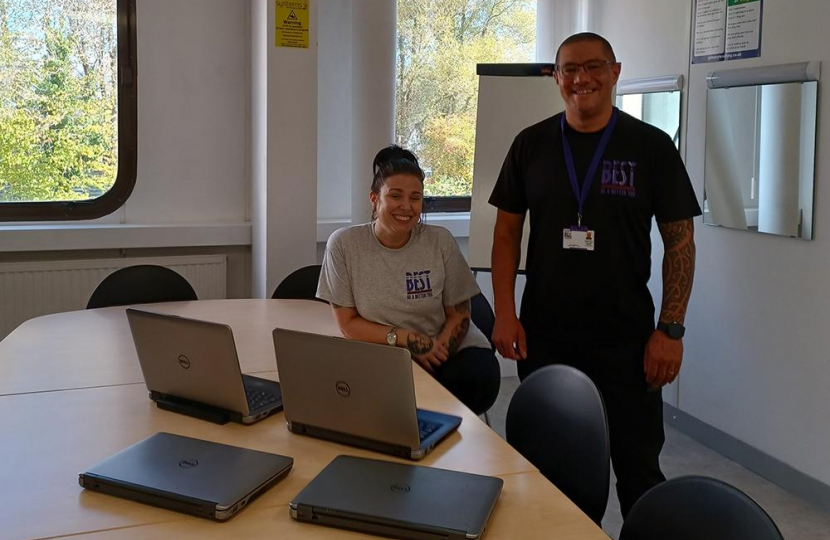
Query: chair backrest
x=141, y=284
x=300, y=284
x=482, y=315
x=694, y=507
x=556, y=419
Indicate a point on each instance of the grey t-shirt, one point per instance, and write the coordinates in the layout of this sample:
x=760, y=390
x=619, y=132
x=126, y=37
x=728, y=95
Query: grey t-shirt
x=406, y=287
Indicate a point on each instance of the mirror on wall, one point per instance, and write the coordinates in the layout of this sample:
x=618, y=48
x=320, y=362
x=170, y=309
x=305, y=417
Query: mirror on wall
x=660, y=109
x=760, y=157
x=654, y=100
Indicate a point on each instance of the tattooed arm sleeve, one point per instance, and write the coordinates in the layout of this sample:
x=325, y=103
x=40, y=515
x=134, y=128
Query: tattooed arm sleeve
x=678, y=268
x=456, y=325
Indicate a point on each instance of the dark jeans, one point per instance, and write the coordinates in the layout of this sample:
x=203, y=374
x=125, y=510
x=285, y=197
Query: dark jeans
x=473, y=376
x=635, y=415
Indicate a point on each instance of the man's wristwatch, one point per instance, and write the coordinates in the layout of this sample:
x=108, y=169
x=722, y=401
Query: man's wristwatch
x=674, y=330
x=392, y=336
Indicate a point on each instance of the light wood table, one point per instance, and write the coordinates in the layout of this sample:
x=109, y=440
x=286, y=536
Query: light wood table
x=55, y=424
x=94, y=347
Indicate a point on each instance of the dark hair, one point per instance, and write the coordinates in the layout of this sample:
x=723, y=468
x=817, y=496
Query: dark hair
x=588, y=36
x=394, y=160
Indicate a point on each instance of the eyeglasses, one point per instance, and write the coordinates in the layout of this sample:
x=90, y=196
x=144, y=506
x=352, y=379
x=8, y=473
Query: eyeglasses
x=591, y=67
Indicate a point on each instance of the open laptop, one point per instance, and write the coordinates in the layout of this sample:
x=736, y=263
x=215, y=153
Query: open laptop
x=355, y=393
x=393, y=499
x=191, y=367
x=202, y=478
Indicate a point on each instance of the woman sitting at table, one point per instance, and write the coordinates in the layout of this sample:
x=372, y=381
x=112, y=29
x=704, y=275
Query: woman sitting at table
x=400, y=282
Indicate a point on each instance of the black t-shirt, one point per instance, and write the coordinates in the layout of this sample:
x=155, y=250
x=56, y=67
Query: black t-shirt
x=602, y=294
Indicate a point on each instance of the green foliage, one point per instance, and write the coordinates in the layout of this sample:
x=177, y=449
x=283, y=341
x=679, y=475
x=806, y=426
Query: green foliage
x=58, y=123
x=439, y=44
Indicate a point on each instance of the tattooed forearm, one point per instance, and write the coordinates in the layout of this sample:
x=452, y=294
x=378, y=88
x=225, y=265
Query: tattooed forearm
x=678, y=268
x=458, y=334
x=418, y=344
x=458, y=323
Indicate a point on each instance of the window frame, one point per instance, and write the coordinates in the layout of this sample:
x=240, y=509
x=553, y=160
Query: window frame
x=125, y=178
x=453, y=203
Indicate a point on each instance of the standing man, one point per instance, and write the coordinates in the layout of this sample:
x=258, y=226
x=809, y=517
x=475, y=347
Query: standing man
x=593, y=178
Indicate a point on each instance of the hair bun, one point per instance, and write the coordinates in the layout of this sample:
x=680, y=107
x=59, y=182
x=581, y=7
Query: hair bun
x=391, y=153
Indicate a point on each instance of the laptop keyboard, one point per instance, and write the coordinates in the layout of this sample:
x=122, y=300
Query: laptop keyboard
x=259, y=398
x=427, y=428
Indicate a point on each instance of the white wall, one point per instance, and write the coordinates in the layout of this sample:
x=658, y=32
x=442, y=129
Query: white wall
x=762, y=303
x=334, y=76
x=193, y=88
x=755, y=364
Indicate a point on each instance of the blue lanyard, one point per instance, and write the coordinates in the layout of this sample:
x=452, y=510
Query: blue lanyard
x=582, y=196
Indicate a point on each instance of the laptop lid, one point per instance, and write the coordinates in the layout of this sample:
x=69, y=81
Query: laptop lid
x=198, y=477
x=342, y=385
x=393, y=499
x=189, y=359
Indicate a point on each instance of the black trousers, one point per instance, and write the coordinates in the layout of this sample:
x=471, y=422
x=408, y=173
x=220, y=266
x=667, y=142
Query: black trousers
x=473, y=376
x=635, y=415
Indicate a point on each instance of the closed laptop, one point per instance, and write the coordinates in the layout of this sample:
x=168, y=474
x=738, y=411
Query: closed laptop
x=202, y=478
x=355, y=393
x=398, y=500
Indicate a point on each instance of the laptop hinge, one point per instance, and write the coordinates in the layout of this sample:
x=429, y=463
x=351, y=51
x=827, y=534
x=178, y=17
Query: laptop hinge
x=351, y=440
x=192, y=408
x=380, y=526
x=153, y=497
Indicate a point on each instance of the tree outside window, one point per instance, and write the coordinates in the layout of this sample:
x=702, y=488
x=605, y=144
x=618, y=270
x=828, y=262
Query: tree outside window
x=439, y=44
x=58, y=99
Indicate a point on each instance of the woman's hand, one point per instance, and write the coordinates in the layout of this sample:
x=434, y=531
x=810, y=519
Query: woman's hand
x=428, y=352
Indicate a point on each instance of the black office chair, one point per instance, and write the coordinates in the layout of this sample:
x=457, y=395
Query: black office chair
x=141, y=284
x=695, y=507
x=556, y=419
x=482, y=316
x=300, y=284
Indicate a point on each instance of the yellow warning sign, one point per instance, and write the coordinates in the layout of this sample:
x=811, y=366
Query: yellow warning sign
x=291, y=20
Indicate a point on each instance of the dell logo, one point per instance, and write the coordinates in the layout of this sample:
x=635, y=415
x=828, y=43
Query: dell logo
x=343, y=388
x=400, y=489
x=188, y=463
x=184, y=361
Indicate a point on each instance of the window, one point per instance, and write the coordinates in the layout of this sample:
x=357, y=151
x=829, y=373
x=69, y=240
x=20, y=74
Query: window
x=439, y=44
x=67, y=108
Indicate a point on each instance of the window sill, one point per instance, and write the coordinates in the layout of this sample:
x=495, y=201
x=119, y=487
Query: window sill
x=69, y=237
x=66, y=237
x=458, y=223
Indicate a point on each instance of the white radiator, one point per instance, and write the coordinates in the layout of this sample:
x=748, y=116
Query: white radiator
x=31, y=289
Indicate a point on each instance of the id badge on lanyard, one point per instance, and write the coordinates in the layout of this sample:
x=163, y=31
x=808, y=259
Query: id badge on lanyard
x=578, y=236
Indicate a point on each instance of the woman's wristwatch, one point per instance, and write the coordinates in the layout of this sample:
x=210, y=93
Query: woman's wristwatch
x=392, y=336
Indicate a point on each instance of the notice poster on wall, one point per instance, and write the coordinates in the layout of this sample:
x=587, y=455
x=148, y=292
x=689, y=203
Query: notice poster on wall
x=291, y=23
x=727, y=30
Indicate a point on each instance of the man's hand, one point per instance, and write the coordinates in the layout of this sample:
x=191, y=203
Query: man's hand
x=662, y=359
x=428, y=352
x=509, y=338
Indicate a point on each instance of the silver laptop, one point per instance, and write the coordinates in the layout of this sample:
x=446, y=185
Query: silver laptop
x=393, y=499
x=191, y=367
x=355, y=393
x=202, y=478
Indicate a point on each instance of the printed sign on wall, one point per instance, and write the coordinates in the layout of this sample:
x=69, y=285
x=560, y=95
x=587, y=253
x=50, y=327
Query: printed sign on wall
x=727, y=30
x=291, y=21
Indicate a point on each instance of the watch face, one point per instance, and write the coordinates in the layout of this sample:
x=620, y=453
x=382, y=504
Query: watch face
x=676, y=331
x=673, y=330
x=391, y=338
